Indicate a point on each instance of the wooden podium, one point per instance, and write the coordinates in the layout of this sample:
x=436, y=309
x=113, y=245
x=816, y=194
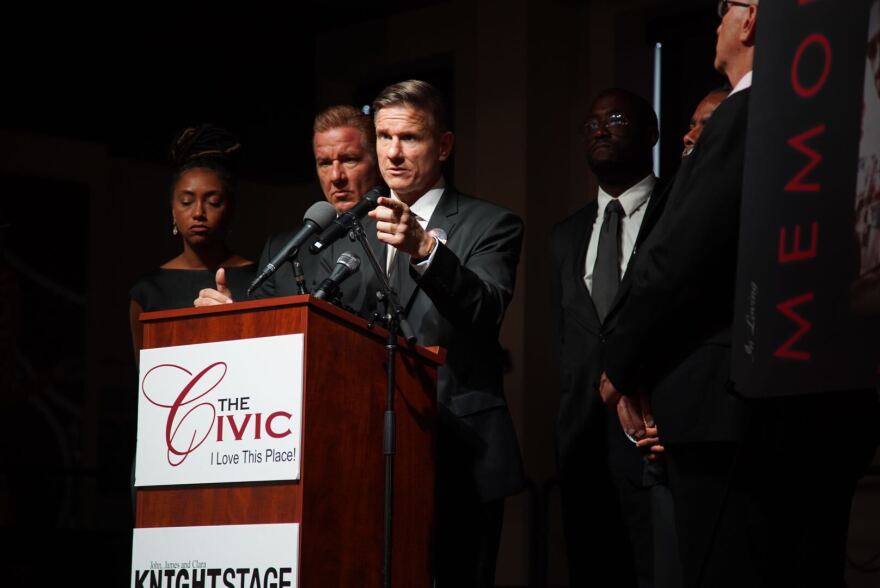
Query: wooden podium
x=338, y=500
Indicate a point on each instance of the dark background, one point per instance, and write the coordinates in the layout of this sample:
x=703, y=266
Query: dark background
x=90, y=102
x=133, y=81
x=127, y=80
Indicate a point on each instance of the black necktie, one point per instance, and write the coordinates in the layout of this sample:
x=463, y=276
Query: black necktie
x=606, y=272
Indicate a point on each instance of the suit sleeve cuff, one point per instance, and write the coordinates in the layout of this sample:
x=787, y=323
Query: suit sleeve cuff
x=622, y=374
x=422, y=266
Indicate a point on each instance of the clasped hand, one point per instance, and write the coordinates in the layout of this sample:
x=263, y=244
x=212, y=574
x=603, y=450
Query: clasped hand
x=635, y=416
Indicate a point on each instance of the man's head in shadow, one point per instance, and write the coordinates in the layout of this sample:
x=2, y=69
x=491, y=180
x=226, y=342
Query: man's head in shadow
x=619, y=134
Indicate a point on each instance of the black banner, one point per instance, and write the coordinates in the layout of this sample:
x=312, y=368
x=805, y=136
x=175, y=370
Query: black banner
x=808, y=282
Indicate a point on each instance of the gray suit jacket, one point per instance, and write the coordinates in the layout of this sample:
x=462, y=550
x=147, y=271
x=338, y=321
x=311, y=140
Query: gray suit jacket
x=283, y=282
x=459, y=304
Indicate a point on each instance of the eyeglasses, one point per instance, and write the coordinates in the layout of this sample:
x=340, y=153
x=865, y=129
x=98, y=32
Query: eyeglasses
x=615, y=120
x=724, y=6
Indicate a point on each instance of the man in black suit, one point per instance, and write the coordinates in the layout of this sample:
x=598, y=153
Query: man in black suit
x=452, y=260
x=606, y=506
x=672, y=335
x=345, y=160
x=754, y=505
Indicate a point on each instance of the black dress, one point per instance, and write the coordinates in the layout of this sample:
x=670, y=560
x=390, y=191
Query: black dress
x=163, y=289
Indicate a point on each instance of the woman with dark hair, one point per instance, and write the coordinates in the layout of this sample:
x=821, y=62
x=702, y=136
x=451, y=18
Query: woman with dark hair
x=202, y=203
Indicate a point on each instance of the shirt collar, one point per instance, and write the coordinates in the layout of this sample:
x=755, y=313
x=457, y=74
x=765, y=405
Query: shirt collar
x=744, y=83
x=427, y=202
x=633, y=198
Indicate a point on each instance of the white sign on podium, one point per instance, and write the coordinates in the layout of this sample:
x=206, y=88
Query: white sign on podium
x=220, y=412
x=227, y=555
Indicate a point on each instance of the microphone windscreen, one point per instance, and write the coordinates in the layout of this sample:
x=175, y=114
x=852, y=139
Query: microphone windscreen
x=376, y=191
x=349, y=260
x=321, y=213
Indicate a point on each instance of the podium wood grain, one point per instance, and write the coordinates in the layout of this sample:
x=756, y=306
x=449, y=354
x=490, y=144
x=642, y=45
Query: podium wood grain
x=338, y=500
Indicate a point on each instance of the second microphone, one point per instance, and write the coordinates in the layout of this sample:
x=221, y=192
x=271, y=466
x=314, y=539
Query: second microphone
x=343, y=223
x=347, y=264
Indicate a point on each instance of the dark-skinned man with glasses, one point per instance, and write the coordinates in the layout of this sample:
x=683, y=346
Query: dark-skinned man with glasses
x=762, y=490
x=606, y=498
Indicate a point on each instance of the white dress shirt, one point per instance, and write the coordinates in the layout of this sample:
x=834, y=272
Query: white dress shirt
x=742, y=84
x=634, y=202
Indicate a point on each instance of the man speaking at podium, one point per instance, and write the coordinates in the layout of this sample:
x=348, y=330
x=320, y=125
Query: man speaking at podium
x=452, y=260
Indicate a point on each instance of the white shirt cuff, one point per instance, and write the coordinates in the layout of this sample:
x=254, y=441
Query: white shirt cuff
x=423, y=265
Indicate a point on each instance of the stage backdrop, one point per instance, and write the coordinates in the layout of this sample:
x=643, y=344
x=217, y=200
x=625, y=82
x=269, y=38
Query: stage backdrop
x=808, y=287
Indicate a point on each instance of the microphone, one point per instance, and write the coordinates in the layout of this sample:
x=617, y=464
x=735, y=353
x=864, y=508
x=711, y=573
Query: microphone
x=316, y=218
x=346, y=265
x=343, y=222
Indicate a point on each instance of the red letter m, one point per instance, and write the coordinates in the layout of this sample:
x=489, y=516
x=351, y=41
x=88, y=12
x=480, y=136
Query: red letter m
x=799, y=142
x=785, y=351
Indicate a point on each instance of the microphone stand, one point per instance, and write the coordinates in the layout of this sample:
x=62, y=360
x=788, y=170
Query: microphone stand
x=298, y=275
x=395, y=318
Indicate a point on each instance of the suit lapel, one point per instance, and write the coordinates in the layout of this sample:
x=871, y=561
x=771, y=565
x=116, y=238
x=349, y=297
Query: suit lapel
x=379, y=250
x=652, y=215
x=446, y=213
x=653, y=212
x=580, y=263
x=585, y=233
x=444, y=218
x=402, y=282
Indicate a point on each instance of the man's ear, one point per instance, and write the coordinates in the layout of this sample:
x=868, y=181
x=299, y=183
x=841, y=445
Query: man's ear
x=749, y=27
x=447, y=139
